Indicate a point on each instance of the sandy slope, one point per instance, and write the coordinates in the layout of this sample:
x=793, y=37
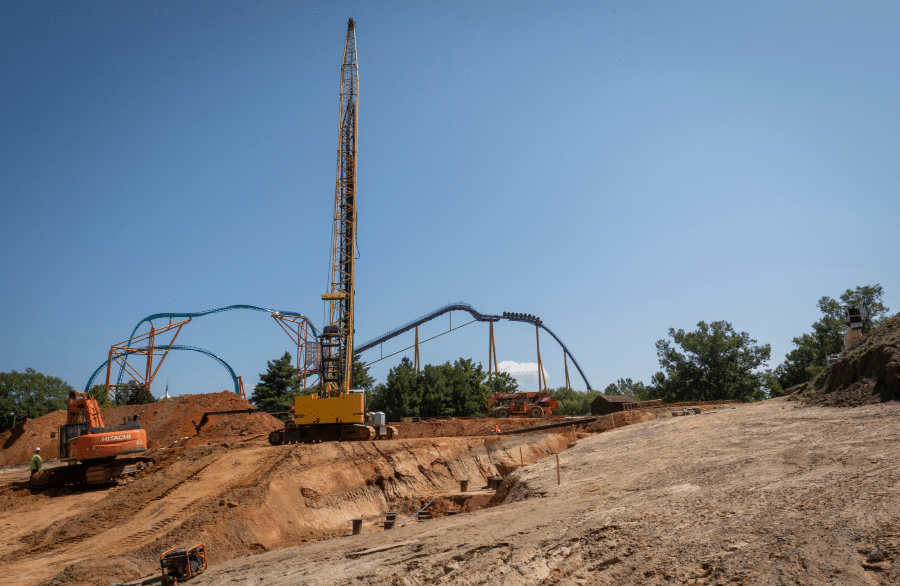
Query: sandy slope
x=769, y=493
x=239, y=498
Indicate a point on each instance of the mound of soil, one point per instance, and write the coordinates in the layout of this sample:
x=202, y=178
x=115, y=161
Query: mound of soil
x=165, y=422
x=248, y=497
x=868, y=373
x=465, y=427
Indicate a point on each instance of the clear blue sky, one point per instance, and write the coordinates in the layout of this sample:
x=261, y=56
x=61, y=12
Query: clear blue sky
x=616, y=168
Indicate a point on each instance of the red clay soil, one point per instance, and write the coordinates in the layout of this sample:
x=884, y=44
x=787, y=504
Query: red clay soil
x=470, y=426
x=868, y=373
x=245, y=497
x=170, y=420
x=165, y=422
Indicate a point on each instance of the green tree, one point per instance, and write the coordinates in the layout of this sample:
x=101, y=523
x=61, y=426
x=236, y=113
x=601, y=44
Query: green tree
x=434, y=386
x=399, y=396
x=438, y=390
x=810, y=355
x=132, y=393
x=573, y=402
x=277, y=386
x=869, y=299
x=501, y=382
x=635, y=390
x=99, y=392
x=715, y=363
x=468, y=393
x=30, y=394
x=361, y=378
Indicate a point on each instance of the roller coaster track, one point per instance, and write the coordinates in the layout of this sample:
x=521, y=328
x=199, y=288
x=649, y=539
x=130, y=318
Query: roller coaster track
x=150, y=318
x=462, y=306
x=170, y=315
x=237, y=386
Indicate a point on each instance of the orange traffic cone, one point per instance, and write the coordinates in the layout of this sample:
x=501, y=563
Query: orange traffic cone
x=496, y=428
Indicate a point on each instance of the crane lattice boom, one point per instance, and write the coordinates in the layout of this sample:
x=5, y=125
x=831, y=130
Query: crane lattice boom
x=337, y=346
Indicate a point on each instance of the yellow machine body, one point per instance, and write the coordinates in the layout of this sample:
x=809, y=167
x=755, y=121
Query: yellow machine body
x=346, y=408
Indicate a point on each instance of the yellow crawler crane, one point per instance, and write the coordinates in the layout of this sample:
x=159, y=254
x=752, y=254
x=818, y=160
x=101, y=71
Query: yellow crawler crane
x=336, y=412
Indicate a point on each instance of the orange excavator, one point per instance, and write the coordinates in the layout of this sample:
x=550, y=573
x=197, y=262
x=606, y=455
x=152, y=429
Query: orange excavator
x=91, y=449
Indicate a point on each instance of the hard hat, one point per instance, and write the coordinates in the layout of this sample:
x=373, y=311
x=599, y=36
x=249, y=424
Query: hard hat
x=37, y=449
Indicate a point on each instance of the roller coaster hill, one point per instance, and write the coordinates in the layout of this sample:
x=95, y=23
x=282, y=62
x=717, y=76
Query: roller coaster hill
x=304, y=335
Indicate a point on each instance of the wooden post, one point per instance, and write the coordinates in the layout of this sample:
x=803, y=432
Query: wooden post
x=521, y=459
x=558, y=481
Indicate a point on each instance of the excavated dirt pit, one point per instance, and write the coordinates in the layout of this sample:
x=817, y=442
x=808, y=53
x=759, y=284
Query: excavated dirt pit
x=228, y=488
x=246, y=497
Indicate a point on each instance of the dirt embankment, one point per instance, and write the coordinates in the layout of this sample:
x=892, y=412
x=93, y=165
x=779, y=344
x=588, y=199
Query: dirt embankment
x=165, y=422
x=243, y=497
x=868, y=373
x=765, y=494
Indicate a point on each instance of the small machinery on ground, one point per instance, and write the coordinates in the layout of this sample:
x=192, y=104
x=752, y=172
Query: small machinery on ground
x=533, y=405
x=182, y=563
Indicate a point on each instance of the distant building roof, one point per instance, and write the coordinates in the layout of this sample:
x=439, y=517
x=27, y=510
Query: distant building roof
x=616, y=398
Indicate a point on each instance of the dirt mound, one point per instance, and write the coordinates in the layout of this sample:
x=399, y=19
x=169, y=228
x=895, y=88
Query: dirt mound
x=241, y=498
x=165, y=422
x=765, y=494
x=466, y=427
x=868, y=373
x=17, y=444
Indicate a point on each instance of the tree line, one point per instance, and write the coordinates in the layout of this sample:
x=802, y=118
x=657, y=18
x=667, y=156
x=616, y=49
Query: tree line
x=30, y=394
x=715, y=362
x=712, y=362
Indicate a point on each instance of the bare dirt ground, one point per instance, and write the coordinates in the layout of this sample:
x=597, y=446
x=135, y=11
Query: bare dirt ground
x=242, y=497
x=799, y=490
x=770, y=493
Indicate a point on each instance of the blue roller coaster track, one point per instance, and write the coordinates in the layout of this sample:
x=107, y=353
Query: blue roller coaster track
x=237, y=386
x=170, y=315
x=462, y=306
x=150, y=318
x=456, y=306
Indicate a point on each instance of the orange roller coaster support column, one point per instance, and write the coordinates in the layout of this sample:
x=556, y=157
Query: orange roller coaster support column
x=298, y=328
x=119, y=353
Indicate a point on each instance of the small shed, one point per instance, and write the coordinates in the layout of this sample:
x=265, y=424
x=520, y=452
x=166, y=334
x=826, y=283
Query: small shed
x=606, y=404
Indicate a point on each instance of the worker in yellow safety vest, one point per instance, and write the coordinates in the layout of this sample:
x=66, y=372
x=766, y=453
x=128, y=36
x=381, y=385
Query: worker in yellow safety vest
x=36, y=462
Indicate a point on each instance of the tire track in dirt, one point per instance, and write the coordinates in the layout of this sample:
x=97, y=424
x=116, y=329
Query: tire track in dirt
x=172, y=529
x=99, y=518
